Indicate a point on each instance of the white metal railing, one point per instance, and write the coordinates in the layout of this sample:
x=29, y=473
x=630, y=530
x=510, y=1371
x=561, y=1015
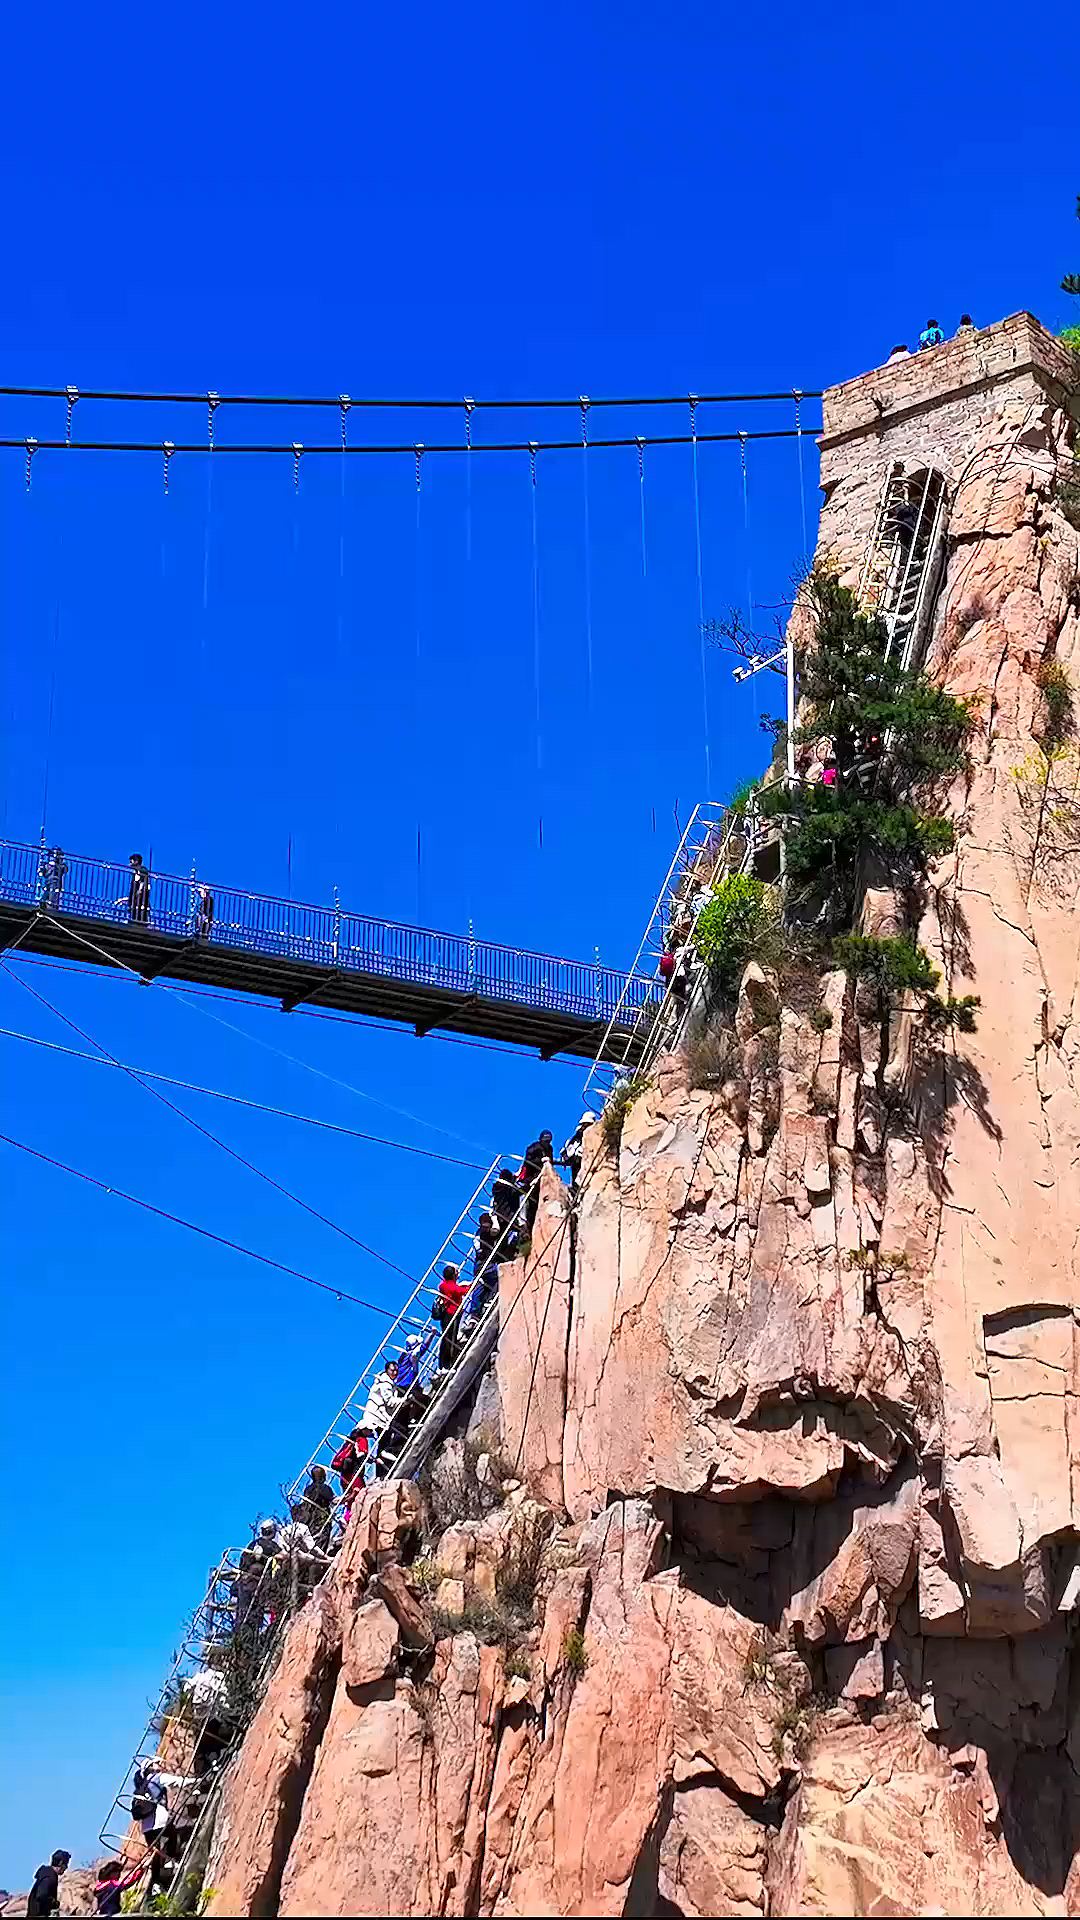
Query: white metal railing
x=706, y=846
x=415, y=1317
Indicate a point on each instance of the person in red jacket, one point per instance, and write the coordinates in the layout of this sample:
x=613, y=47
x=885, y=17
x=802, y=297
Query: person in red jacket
x=446, y=1310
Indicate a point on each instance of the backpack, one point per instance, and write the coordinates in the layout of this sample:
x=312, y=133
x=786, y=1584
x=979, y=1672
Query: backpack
x=440, y=1311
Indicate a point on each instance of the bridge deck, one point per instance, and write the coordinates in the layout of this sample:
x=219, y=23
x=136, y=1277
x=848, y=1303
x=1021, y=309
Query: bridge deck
x=297, y=954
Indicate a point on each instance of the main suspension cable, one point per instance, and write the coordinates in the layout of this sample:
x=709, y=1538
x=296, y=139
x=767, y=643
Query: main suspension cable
x=214, y=400
x=406, y=446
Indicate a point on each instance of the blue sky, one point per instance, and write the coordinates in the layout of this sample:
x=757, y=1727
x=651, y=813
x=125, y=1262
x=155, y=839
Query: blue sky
x=536, y=201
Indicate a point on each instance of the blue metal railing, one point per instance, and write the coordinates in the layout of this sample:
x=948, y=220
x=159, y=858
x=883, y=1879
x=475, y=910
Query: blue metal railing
x=326, y=937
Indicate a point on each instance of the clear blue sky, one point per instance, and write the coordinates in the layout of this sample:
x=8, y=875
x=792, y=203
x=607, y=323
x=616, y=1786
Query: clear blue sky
x=541, y=200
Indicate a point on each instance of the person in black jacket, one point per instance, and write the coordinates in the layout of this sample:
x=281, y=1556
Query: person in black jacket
x=138, y=891
x=536, y=1153
x=505, y=1202
x=44, y=1896
x=317, y=1502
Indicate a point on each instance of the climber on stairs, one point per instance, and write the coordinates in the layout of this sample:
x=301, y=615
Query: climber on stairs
x=574, y=1149
x=536, y=1153
x=446, y=1312
x=350, y=1464
x=506, y=1205
x=317, y=1506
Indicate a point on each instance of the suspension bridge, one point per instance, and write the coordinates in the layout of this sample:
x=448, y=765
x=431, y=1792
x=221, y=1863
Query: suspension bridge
x=298, y=955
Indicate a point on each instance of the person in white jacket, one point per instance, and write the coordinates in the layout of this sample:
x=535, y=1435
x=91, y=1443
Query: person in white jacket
x=383, y=1401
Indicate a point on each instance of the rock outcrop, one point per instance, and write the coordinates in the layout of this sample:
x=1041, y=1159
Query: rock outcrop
x=766, y=1596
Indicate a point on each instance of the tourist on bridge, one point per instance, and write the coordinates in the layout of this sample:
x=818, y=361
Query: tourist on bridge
x=204, y=912
x=536, y=1153
x=52, y=870
x=446, y=1312
x=138, y=898
x=44, y=1896
x=317, y=1505
x=931, y=336
x=112, y=1883
x=506, y=1205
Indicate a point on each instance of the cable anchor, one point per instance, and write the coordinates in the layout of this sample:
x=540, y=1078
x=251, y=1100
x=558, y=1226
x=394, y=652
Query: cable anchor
x=212, y=400
x=533, y=449
x=418, y=449
x=297, y=450
x=468, y=403
x=72, y=396
x=584, y=403
x=31, y=449
x=168, y=448
x=640, y=457
x=692, y=401
x=344, y=402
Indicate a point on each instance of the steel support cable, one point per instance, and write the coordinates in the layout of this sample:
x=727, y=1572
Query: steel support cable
x=238, y=1100
x=336, y=400
x=694, y=437
x=207, y=1132
x=206, y=1233
x=186, y=993
x=798, y=396
x=584, y=404
x=405, y=446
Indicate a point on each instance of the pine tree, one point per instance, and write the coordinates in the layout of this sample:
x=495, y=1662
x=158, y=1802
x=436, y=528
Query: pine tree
x=892, y=732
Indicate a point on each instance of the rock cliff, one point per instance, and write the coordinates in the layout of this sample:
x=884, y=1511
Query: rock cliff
x=757, y=1592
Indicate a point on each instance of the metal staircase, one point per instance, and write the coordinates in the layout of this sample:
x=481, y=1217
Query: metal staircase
x=903, y=560
x=718, y=839
x=216, y=1622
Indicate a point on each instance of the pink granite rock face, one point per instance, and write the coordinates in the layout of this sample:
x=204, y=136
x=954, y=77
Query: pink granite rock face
x=794, y=1396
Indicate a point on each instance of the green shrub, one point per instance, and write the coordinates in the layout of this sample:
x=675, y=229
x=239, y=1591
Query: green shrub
x=821, y=1019
x=618, y=1104
x=740, y=798
x=710, y=1056
x=425, y=1574
x=517, y=1664
x=950, y=1013
x=796, y=1723
x=1071, y=337
x=897, y=964
x=741, y=922
x=1056, y=688
x=489, y=1620
x=574, y=1657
